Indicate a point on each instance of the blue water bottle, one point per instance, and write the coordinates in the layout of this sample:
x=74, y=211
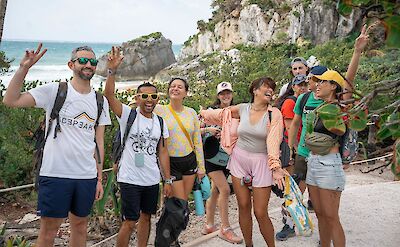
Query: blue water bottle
x=198, y=199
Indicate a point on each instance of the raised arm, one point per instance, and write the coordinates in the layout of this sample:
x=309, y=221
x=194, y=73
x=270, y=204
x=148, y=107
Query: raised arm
x=114, y=60
x=13, y=96
x=359, y=46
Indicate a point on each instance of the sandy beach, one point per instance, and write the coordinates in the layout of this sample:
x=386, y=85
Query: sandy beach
x=369, y=213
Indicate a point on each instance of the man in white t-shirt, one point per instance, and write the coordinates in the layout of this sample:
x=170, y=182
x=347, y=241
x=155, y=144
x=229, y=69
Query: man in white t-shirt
x=138, y=173
x=70, y=175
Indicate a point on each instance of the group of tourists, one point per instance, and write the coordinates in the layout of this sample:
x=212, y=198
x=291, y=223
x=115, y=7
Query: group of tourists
x=264, y=140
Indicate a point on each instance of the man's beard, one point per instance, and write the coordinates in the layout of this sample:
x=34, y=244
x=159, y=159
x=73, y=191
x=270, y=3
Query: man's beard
x=84, y=76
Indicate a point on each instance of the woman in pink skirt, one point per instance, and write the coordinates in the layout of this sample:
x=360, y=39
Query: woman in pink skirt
x=255, y=157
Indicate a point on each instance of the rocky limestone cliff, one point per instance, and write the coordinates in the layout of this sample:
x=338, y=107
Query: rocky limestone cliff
x=316, y=20
x=143, y=58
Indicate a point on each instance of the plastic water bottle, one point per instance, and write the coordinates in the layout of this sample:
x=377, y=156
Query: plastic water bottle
x=247, y=180
x=198, y=199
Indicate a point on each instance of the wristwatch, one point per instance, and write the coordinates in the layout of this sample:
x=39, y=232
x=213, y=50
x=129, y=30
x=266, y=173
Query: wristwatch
x=111, y=72
x=170, y=180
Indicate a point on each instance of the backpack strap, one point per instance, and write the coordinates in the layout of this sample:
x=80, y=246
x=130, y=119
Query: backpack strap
x=270, y=120
x=58, y=103
x=292, y=97
x=131, y=119
x=303, y=101
x=100, y=104
x=162, y=129
x=270, y=116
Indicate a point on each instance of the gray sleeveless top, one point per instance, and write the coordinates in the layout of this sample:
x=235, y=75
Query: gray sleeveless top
x=252, y=137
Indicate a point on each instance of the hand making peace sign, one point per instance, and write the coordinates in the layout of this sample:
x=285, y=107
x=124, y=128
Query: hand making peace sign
x=114, y=58
x=31, y=57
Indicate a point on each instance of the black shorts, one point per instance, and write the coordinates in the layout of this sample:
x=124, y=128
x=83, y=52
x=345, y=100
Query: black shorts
x=300, y=167
x=136, y=199
x=210, y=167
x=183, y=166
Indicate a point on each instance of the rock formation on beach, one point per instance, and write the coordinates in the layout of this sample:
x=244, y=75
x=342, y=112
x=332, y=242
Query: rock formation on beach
x=143, y=58
x=273, y=21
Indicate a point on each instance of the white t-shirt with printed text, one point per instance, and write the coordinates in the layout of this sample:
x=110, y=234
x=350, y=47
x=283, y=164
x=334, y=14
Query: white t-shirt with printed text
x=143, y=138
x=71, y=154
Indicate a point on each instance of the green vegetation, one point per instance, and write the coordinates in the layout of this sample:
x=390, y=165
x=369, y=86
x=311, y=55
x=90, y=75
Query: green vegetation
x=4, y=62
x=203, y=26
x=388, y=12
x=155, y=35
x=192, y=38
x=265, y=5
x=18, y=241
x=18, y=125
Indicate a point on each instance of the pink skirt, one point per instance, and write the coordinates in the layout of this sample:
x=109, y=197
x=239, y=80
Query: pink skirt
x=243, y=163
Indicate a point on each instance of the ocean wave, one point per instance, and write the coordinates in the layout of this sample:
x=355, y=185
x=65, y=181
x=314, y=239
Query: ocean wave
x=44, y=68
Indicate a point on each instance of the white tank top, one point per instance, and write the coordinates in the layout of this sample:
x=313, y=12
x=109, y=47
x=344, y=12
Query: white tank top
x=252, y=137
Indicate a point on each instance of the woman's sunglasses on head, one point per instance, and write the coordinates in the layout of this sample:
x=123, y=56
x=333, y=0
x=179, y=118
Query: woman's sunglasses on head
x=145, y=96
x=84, y=60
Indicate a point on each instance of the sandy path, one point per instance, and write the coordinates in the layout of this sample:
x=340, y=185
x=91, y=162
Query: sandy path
x=370, y=215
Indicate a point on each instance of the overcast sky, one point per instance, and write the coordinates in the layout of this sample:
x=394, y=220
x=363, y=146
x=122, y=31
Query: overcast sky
x=103, y=20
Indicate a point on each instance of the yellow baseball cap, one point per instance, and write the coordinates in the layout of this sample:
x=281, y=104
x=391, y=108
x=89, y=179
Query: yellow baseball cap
x=332, y=75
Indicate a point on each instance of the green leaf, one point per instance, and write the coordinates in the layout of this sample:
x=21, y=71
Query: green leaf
x=344, y=8
x=329, y=112
x=310, y=122
x=383, y=133
x=358, y=122
x=101, y=204
x=392, y=24
x=334, y=124
x=359, y=2
x=3, y=230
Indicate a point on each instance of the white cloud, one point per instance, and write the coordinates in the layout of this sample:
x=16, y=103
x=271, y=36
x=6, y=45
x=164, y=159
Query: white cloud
x=103, y=20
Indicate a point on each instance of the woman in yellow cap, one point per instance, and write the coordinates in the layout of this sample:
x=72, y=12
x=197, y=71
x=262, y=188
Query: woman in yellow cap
x=325, y=175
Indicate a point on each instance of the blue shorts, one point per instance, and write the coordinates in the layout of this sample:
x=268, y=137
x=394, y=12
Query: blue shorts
x=58, y=196
x=136, y=199
x=326, y=172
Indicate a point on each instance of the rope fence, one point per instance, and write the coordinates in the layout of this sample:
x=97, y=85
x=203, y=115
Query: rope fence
x=104, y=240
x=110, y=169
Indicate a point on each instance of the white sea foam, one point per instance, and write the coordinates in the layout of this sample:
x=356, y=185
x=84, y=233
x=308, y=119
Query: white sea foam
x=48, y=73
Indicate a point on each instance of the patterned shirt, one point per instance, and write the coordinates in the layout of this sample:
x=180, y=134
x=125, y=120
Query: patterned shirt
x=178, y=144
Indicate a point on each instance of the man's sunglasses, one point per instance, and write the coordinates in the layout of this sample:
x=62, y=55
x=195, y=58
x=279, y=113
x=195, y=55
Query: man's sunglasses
x=84, y=60
x=145, y=96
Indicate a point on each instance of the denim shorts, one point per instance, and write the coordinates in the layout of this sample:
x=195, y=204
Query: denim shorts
x=326, y=172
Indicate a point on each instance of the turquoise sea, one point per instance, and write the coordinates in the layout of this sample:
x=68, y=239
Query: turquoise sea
x=53, y=64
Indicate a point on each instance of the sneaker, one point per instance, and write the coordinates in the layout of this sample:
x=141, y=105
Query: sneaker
x=230, y=236
x=209, y=229
x=310, y=206
x=285, y=233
